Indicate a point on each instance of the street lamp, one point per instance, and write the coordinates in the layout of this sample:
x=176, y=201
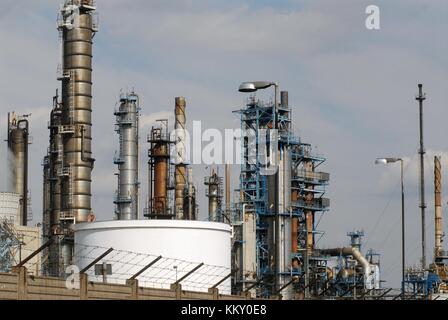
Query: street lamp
x=252, y=86
x=387, y=161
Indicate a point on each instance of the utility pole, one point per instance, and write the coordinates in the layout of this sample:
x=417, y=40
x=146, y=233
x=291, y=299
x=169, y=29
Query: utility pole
x=420, y=98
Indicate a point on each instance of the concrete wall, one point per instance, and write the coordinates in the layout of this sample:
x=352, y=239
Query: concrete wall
x=23, y=286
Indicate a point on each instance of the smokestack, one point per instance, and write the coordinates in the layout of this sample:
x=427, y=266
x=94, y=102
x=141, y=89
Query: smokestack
x=438, y=206
x=127, y=115
x=180, y=147
x=18, y=132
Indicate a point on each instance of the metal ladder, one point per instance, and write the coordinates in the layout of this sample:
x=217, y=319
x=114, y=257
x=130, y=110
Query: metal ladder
x=70, y=185
x=71, y=95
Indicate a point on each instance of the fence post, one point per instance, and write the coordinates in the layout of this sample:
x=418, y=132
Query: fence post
x=133, y=283
x=83, y=283
x=214, y=293
x=177, y=288
x=22, y=283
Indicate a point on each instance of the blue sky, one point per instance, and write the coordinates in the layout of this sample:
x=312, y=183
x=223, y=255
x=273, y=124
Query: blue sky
x=351, y=90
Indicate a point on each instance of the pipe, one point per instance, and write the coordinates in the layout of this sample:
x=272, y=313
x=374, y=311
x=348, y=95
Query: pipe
x=353, y=251
x=420, y=98
x=438, y=207
x=190, y=209
x=228, y=182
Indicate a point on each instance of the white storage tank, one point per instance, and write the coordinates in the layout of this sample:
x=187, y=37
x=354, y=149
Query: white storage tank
x=182, y=245
x=10, y=207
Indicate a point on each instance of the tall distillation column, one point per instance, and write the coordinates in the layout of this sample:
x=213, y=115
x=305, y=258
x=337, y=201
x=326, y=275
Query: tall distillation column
x=127, y=197
x=18, y=131
x=159, y=172
x=214, y=195
x=77, y=28
x=180, y=158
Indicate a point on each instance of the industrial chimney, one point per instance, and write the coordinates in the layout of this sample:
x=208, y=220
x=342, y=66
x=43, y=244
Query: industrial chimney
x=180, y=161
x=18, y=131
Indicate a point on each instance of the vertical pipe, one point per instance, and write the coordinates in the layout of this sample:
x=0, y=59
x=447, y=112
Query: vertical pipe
x=420, y=98
x=180, y=174
x=438, y=207
x=228, y=182
x=190, y=203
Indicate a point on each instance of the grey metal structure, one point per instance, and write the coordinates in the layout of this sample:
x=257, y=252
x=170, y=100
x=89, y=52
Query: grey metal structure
x=127, y=196
x=18, y=133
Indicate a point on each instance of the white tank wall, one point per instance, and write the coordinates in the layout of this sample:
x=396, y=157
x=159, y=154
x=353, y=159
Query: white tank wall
x=10, y=207
x=192, y=241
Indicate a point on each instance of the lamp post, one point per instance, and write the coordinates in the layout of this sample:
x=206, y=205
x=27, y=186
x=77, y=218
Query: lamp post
x=387, y=161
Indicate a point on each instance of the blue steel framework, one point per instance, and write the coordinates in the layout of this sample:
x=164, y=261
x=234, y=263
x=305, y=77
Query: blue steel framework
x=253, y=187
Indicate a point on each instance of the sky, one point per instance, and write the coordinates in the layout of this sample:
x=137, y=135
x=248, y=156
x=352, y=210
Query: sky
x=352, y=93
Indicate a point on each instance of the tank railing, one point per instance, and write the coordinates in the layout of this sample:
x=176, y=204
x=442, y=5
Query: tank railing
x=152, y=270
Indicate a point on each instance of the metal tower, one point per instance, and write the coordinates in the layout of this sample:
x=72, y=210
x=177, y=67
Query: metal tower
x=127, y=125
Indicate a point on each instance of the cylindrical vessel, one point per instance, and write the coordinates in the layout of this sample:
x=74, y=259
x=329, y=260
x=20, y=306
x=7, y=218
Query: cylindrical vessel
x=193, y=242
x=160, y=154
x=213, y=194
x=127, y=127
x=77, y=33
x=180, y=157
x=10, y=207
x=18, y=146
